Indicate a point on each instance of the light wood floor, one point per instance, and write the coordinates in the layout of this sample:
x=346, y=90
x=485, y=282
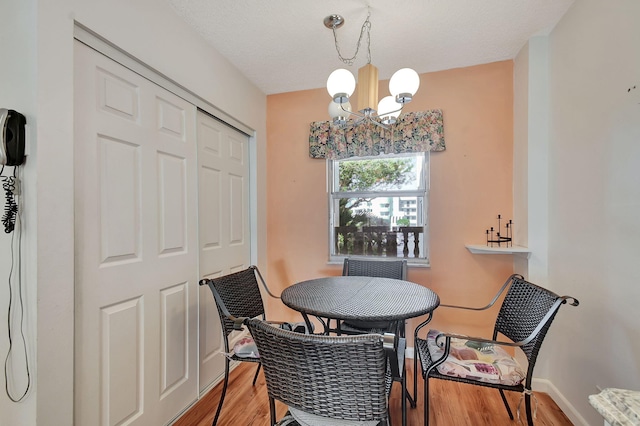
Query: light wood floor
x=452, y=404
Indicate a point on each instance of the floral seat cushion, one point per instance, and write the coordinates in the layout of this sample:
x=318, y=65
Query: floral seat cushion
x=476, y=361
x=246, y=348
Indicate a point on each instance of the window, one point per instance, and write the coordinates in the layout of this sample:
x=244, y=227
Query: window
x=378, y=207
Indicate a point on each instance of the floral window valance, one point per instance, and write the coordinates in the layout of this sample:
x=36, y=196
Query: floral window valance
x=413, y=132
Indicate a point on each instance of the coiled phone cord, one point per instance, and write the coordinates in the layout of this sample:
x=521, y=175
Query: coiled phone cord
x=9, y=183
x=11, y=207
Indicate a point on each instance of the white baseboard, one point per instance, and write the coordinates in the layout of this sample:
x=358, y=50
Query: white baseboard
x=544, y=385
x=408, y=353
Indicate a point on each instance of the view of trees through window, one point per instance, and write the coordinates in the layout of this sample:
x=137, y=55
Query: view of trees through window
x=371, y=176
x=377, y=206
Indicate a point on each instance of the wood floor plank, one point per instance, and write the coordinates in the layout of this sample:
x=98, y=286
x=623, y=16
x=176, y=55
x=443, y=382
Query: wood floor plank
x=452, y=404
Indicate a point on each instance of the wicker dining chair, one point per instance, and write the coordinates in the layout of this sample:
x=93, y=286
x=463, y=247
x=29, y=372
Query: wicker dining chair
x=396, y=269
x=237, y=295
x=524, y=318
x=324, y=380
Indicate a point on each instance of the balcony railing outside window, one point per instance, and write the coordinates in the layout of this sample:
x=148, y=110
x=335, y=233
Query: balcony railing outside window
x=404, y=242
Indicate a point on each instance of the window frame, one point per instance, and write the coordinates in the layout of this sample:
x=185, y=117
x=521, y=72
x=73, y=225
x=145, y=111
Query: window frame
x=422, y=192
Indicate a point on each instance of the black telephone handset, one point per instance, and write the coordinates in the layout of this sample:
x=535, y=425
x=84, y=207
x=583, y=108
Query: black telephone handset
x=12, y=137
x=12, y=142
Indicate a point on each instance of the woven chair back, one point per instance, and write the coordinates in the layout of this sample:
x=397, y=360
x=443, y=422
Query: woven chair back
x=240, y=294
x=396, y=269
x=524, y=307
x=341, y=377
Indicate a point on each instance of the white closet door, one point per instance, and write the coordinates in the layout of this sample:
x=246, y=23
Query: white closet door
x=136, y=247
x=225, y=247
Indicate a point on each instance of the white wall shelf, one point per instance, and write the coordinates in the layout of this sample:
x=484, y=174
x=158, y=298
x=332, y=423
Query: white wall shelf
x=483, y=249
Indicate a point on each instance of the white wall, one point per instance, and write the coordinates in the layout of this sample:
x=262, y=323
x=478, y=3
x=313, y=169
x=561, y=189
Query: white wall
x=149, y=30
x=18, y=92
x=594, y=200
x=531, y=147
x=520, y=155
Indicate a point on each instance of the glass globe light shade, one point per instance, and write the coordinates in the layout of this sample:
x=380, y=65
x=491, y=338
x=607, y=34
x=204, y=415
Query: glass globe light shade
x=389, y=110
x=404, y=80
x=389, y=107
x=341, y=81
x=336, y=109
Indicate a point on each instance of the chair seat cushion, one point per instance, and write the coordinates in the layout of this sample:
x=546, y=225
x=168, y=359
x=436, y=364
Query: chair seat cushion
x=306, y=419
x=476, y=361
x=365, y=325
x=246, y=348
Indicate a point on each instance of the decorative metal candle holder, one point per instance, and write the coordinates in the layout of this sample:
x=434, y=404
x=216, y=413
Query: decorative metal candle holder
x=499, y=239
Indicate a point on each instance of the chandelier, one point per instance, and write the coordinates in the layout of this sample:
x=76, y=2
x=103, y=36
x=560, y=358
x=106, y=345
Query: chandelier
x=341, y=84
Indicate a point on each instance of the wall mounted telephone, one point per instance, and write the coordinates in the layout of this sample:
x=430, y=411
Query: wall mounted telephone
x=12, y=137
x=12, y=146
x=12, y=143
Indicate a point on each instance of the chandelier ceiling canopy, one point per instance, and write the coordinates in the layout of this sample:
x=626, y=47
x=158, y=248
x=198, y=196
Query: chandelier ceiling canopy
x=341, y=84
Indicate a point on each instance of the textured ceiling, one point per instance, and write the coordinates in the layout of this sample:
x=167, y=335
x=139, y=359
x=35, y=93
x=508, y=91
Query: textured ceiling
x=283, y=46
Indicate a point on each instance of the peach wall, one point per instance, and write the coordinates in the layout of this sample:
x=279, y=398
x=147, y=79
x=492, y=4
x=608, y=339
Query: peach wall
x=471, y=182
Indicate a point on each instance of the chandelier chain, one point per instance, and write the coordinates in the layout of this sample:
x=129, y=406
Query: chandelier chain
x=366, y=28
